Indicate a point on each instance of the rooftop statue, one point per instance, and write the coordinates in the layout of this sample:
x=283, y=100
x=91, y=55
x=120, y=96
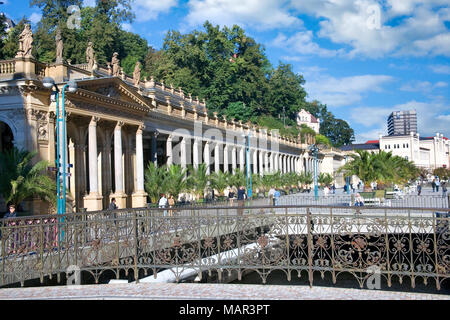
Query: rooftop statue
x=115, y=65
x=137, y=73
x=25, y=42
x=59, y=47
x=90, y=56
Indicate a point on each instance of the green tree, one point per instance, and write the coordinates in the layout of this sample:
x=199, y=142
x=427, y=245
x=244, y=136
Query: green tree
x=20, y=179
x=175, y=180
x=198, y=180
x=220, y=181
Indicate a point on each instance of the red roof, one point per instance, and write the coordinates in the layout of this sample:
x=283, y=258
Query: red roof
x=372, y=141
x=313, y=119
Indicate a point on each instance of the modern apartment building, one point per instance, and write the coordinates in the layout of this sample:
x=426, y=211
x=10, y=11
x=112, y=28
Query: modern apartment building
x=402, y=122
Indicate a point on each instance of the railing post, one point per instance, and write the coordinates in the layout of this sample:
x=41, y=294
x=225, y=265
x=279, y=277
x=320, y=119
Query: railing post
x=136, y=246
x=310, y=246
x=3, y=240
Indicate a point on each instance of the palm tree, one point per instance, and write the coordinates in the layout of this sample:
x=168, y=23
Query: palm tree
x=238, y=178
x=20, y=179
x=175, y=181
x=325, y=179
x=198, y=179
x=220, y=181
x=154, y=181
x=366, y=166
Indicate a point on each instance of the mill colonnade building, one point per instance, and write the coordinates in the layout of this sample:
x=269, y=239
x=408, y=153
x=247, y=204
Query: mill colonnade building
x=115, y=126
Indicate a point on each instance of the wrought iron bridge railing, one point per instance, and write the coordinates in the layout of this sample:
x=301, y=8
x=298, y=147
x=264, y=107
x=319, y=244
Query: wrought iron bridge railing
x=397, y=243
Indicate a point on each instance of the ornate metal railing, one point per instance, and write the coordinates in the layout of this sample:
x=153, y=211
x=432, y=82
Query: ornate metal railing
x=393, y=243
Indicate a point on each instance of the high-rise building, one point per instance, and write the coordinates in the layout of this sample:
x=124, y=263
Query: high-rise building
x=402, y=122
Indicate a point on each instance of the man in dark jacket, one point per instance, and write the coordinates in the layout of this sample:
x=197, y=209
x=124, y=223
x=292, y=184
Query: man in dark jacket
x=11, y=213
x=241, y=197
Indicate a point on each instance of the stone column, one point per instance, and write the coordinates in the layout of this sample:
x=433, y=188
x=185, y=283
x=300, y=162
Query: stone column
x=272, y=162
x=207, y=157
x=169, y=151
x=266, y=162
x=261, y=162
x=276, y=162
x=288, y=164
x=93, y=201
x=183, y=153
x=154, y=157
x=233, y=158
x=217, y=157
x=225, y=158
x=255, y=161
x=139, y=197
x=119, y=192
x=242, y=158
x=196, y=154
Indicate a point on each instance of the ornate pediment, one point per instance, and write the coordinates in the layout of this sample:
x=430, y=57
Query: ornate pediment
x=116, y=89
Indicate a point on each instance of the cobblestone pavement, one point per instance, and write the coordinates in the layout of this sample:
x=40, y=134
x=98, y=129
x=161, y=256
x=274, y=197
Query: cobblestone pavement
x=203, y=291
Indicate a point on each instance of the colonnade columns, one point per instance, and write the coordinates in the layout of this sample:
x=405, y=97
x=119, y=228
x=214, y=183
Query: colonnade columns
x=169, y=155
x=242, y=158
x=261, y=162
x=196, y=155
x=289, y=163
x=266, y=162
x=119, y=192
x=225, y=158
x=217, y=148
x=207, y=157
x=93, y=201
x=233, y=159
x=154, y=155
x=255, y=161
x=139, y=197
x=183, y=153
x=272, y=162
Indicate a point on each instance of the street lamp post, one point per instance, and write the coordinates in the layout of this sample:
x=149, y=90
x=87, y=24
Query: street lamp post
x=347, y=179
x=314, y=149
x=61, y=140
x=248, y=166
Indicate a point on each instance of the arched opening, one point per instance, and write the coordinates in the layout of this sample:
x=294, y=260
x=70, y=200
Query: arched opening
x=6, y=137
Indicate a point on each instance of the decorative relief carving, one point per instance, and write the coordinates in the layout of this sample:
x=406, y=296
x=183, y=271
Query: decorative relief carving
x=104, y=110
x=109, y=91
x=42, y=131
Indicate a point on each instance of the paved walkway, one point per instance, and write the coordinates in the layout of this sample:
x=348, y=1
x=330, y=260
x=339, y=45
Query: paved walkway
x=206, y=291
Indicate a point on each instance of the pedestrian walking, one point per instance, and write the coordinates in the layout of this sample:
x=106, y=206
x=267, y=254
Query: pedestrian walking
x=231, y=197
x=433, y=184
x=326, y=191
x=112, y=204
x=334, y=188
x=444, y=189
x=438, y=183
x=345, y=188
x=11, y=212
x=276, y=197
x=163, y=203
x=14, y=232
x=241, y=196
x=171, y=203
x=271, y=195
x=419, y=190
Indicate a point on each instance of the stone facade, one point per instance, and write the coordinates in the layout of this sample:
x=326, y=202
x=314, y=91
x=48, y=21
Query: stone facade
x=116, y=125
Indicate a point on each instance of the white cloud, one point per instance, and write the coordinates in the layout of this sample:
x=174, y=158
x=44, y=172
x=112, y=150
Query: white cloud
x=336, y=92
x=146, y=10
x=419, y=27
x=260, y=14
x=422, y=86
x=373, y=134
x=440, y=68
x=432, y=117
x=127, y=27
x=35, y=17
x=302, y=43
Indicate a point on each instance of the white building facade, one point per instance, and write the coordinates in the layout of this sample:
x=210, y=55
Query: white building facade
x=304, y=117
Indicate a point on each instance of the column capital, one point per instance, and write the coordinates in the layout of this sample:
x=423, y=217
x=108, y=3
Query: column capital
x=119, y=125
x=140, y=129
x=94, y=121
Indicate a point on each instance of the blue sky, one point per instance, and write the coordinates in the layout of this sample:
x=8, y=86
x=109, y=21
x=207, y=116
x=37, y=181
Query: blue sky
x=363, y=58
